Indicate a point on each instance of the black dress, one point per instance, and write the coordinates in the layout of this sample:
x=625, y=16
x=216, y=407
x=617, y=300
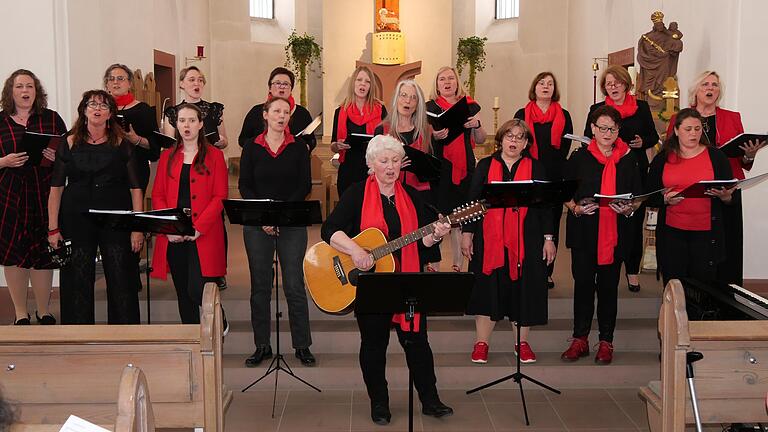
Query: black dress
x=212, y=114
x=253, y=125
x=24, y=195
x=496, y=295
x=354, y=168
x=97, y=176
x=449, y=195
x=142, y=117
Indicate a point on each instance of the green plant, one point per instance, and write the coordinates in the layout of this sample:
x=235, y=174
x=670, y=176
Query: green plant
x=471, y=53
x=300, y=54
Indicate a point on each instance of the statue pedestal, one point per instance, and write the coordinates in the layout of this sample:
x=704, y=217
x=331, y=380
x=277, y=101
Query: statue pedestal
x=387, y=76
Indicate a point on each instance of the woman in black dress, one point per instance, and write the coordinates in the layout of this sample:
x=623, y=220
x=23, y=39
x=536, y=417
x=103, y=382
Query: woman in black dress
x=550, y=122
x=96, y=169
x=458, y=155
x=360, y=113
x=24, y=194
x=493, y=245
x=280, y=84
x=639, y=132
x=136, y=118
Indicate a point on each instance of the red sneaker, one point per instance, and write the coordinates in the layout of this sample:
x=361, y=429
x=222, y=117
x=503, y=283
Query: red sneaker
x=525, y=352
x=579, y=348
x=604, y=353
x=480, y=353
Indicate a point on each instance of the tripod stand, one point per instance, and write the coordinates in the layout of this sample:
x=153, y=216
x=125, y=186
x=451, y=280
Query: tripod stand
x=515, y=195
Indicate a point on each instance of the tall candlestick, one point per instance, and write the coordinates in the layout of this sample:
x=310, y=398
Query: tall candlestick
x=496, y=102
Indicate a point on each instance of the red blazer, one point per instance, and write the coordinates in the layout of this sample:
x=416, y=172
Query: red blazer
x=728, y=126
x=207, y=191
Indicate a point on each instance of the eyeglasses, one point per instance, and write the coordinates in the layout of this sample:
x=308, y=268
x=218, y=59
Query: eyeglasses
x=614, y=84
x=119, y=78
x=606, y=129
x=408, y=97
x=519, y=137
x=97, y=105
x=282, y=84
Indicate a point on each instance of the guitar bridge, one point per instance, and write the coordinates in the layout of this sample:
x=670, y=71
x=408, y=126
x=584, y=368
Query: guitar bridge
x=339, y=270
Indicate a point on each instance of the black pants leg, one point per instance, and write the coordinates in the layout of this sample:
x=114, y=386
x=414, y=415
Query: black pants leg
x=184, y=263
x=121, y=271
x=374, y=339
x=418, y=355
x=687, y=254
x=77, y=279
x=590, y=279
x=635, y=251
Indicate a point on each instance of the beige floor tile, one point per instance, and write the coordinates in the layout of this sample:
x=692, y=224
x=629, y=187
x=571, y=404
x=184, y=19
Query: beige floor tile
x=624, y=394
x=636, y=412
x=497, y=395
x=592, y=415
x=466, y=417
x=244, y=415
x=304, y=397
x=361, y=418
x=316, y=417
x=510, y=416
x=580, y=395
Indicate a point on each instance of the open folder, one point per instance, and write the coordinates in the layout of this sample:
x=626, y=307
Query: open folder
x=453, y=118
x=732, y=148
x=697, y=190
x=425, y=166
x=165, y=141
x=605, y=200
x=33, y=143
x=312, y=126
x=357, y=140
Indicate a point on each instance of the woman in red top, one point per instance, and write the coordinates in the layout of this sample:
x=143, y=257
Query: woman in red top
x=690, y=234
x=457, y=155
x=191, y=175
x=360, y=113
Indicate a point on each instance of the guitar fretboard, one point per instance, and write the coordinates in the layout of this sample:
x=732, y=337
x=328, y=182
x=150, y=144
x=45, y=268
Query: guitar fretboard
x=401, y=242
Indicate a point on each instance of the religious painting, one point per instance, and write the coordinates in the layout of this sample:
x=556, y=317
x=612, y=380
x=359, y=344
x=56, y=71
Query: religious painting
x=387, y=15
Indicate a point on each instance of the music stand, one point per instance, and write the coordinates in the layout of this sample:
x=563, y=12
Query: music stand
x=533, y=193
x=278, y=214
x=429, y=292
x=174, y=221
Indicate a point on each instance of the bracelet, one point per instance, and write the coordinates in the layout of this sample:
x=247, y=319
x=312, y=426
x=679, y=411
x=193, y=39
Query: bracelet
x=479, y=125
x=53, y=232
x=573, y=211
x=549, y=237
x=138, y=141
x=436, y=239
x=748, y=159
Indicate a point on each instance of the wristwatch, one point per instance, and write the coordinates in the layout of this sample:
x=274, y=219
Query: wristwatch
x=549, y=237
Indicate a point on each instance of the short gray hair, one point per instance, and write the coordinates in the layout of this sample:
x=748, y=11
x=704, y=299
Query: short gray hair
x=381, y=143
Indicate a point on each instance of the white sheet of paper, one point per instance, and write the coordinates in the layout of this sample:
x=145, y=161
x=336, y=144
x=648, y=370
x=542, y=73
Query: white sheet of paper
x=76, y=424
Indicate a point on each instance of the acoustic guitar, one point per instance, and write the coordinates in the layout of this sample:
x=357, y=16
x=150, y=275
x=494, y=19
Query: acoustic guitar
x=331, y=276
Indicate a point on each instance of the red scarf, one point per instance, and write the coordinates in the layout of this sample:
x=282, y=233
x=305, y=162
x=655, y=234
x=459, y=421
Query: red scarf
x=455, y=152
x=410, y=178
x=627, y=109
x=370, y=117
x=124, y=100
x=291, y=101
x=554, y=115
x=373, y=217
x=262, y=141
x=607, y=232
x=500, y=225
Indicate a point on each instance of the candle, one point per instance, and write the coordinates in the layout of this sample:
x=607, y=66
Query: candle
x=496, y=102
x=200, y=50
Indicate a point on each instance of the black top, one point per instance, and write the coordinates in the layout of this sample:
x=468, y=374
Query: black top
x=438, y=145
x=347, y=213
x=641, y=123
x=253, y=125
x=581, y=232
x=285, y=177
x=212, y=114
x=142, y=117
x=97, y=176
x=184, y=200
x=354, y=168
x=552, y=158
x=710, y=129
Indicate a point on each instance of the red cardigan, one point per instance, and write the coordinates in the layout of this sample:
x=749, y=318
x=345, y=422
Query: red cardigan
x=207, y=191
x=728, y=126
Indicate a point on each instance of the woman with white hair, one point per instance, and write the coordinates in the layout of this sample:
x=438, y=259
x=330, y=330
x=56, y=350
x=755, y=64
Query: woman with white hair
x=382, y=201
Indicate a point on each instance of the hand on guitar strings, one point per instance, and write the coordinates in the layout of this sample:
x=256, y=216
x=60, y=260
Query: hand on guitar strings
x=362, y=259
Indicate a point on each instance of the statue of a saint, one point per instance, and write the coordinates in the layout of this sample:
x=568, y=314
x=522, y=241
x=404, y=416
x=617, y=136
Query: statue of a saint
x=657, y=54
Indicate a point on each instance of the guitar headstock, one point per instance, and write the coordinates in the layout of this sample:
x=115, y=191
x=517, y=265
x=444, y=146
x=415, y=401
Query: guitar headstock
x=466, y=213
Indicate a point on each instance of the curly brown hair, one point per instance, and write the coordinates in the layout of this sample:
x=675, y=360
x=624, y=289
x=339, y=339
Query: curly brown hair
x=41, y=97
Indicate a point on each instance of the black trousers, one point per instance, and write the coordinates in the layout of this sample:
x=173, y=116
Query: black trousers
x=635, y=250
x=184, y=263
x=78, y=277
x=687, y=254
x=374, y=339
x=590, y=279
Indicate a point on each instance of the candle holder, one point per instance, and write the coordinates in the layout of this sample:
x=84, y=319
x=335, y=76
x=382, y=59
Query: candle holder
x=199, y=57
x=495, y=119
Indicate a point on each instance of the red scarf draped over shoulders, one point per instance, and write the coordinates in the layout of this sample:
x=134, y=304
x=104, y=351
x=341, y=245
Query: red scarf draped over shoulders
x=500, y=225
x=372, y=216
x=607, y=232
x=554, y=115
x=455, y=152
x=370, y=117
x=627, y=109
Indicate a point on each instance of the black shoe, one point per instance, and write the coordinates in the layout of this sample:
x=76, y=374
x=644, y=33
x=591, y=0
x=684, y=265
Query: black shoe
x=47, y=319
x=633, y=288
x=262, y=352
x=224, y=323
x=23, y=321
x=436, y=409
x=306, y=357
x=550, y=283
x=380, y=413
x=221, y=283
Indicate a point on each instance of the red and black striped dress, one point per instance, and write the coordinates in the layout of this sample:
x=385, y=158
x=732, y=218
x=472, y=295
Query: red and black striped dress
x=24, y=195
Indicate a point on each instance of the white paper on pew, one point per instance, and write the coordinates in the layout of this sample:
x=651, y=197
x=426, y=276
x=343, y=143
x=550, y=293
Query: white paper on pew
x=76, y=424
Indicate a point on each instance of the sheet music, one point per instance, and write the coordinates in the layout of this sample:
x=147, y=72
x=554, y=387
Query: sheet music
x=76, y=424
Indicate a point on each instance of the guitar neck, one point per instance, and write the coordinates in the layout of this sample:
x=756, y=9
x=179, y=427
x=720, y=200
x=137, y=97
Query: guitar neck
x=401, y=242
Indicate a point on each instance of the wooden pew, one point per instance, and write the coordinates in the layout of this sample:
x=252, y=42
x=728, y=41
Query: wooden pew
x=55, y=371
x=731, y=381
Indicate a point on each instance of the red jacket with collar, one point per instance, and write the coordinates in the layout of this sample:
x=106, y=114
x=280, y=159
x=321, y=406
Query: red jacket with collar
x=206, y=190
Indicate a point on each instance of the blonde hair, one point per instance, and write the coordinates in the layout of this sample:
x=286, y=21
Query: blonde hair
x=183, y=74
x=371, y=99
x=460, y=90
x=694, y=88
x=620, y=74
x=421, y=126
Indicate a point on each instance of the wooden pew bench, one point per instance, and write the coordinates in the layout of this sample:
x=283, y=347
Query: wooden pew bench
x=731, y=380
x=55, y=371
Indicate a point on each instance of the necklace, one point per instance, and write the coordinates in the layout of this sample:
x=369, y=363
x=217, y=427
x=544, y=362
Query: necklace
x=19, y=119
x=96, y=140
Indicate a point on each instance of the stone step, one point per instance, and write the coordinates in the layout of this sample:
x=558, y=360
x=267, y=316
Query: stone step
x=454, y=371
x=447, y=336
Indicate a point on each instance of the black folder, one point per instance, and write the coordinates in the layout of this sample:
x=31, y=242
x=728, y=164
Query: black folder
x=453, y=118
x=732, y=147
x=424, y=165
x=312, y=126
x=165, y=141
x=167, y=221
x=605, y=200
x=33, y=143
x=357, y=140
x=213, y=137
x=697, y=190
x=123, y=121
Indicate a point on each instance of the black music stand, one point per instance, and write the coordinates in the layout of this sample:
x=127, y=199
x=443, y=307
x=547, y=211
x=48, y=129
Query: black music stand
x=534, y=193
x=278, y=214
x=429, y=292
x=174, y=221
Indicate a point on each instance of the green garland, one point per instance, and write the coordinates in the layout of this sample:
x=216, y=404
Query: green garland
x=301, y=53
x=471, y=52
